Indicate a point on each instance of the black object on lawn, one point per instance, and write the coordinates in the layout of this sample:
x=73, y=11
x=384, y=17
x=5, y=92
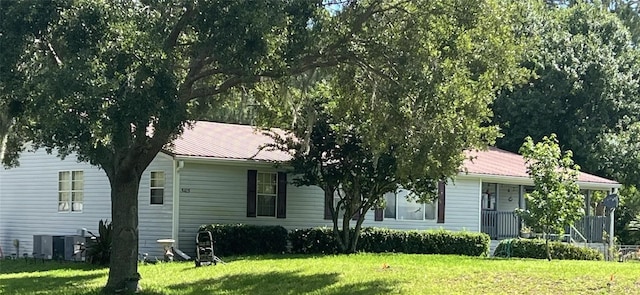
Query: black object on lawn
x=204, y=249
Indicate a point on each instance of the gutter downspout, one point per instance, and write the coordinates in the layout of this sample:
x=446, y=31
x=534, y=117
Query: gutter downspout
x=177, y=167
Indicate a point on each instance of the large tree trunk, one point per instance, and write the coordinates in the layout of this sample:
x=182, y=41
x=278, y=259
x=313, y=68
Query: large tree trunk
x=123, y=271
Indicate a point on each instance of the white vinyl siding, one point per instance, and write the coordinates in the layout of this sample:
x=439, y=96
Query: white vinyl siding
x=508, y=197
x=217, y=194
x=41, y=216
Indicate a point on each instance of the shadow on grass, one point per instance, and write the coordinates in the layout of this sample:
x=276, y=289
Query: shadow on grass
x=48, y=284
x=281, y=283
x=273, y=257
x=20, y=265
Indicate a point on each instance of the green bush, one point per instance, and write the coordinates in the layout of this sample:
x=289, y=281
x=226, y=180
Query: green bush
x=535, y=248
x=242, y=239
x=313, y=240
x=98, y=249
x=379, y=240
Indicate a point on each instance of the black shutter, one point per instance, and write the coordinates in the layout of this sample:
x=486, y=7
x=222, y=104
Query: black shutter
x=378, y=214
x=282, y=195
x=328, y=203
x=441, y=201
x=356, y=215
x=252, y=193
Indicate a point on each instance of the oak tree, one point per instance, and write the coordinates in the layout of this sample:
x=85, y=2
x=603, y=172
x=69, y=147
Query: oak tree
x=114, y=81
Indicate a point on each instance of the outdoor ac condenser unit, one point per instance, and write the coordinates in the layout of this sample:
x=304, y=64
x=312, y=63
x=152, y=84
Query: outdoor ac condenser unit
x=43, y=246
x=71, y=247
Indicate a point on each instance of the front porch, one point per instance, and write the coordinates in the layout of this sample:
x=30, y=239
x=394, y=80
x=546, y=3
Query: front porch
x=498, y=220
x=505, y=224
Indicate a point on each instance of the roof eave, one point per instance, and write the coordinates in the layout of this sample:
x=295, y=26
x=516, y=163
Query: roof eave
x=529, y=181
x=228, y=161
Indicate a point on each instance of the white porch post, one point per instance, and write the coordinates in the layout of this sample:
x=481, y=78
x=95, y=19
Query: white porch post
x=521, y=203
x=587, y=203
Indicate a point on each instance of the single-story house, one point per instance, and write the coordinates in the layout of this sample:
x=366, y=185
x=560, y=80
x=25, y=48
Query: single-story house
x=217, y=173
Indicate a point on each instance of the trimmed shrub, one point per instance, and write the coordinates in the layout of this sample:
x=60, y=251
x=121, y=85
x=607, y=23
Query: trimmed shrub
x=379, y=240
x=313, y=240
x=243, y=239
x=535, y=248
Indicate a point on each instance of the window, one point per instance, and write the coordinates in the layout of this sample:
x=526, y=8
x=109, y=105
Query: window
x=267, y=194
x=489, y=195
x=157, y=188
x=390, y=209
x=399, y=207
x=70, y=191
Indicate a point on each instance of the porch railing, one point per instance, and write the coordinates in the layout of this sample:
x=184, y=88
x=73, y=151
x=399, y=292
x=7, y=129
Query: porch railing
x=500, y=224
x=505, y=224
x=592, y=227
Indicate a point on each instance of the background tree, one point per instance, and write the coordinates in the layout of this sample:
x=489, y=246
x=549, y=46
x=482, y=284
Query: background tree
x=620, y=159
x=627, y=227
x=627, y=10
x=114, y=81
x=405, y=118
x=583, y=84
x=555, y=202
x=584, y=87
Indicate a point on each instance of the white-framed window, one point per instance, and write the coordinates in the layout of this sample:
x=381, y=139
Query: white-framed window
x=70, y=191
x=156, y=188
x=400, y=208
x=267, y=194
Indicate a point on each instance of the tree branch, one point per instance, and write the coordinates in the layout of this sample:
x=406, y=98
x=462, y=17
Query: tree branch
x=172, y=39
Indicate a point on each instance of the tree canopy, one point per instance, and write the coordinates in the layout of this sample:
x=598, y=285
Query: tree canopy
x=406, y=118
x=584, y=83
x=114, y=81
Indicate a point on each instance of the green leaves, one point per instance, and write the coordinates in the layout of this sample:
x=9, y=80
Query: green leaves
x=583, y=83
x=555, y=202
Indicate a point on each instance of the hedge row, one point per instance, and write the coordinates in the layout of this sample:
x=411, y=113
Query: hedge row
x=535, y=248
x=242, y=239
x=239, y=239
x=378, y=240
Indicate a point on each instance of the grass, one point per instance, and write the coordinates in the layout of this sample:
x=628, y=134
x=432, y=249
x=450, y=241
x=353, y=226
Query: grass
x=362, y=274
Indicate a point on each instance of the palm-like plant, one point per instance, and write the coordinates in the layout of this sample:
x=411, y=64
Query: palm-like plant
x=99, y=248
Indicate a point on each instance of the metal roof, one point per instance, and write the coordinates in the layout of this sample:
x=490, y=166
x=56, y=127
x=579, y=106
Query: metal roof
x=241, y=142
x=495, y=161
x=226, y=141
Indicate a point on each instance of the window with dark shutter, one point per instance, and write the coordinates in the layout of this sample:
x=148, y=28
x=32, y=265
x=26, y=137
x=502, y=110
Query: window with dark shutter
x=266, y=194
x=378, y=214
x=252, y=180
x=328, y=203
x=282, y=195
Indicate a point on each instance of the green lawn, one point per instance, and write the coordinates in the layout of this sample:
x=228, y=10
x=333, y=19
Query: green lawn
x=353, y=274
